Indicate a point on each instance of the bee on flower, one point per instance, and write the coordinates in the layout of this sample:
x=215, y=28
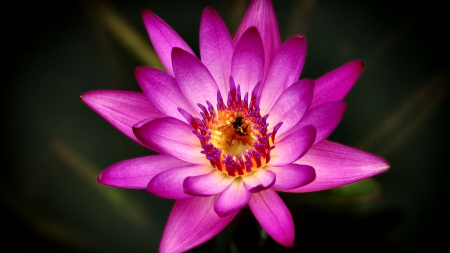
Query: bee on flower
x=232, y=127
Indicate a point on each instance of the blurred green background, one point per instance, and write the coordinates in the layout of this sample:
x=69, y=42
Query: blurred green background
x=54, y=146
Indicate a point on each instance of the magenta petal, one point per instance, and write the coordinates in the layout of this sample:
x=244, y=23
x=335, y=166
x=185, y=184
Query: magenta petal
x=247, y=64
x=259, y=180
x=216, y=48
x=192, y=222
x=193, y=77
x=285, y=69
x=293, y=146
x=163, y=38
x=334, y=85
x=170, y=136
x=274, y=216
x=324, y=118
x=169, y=183
x=337, y=165
x=262, y=15
x=208, y=184
x=232, y=199
x=291, y=105
x=122, y=109
x=163, y=91
x=292, y=176
x=136, y=173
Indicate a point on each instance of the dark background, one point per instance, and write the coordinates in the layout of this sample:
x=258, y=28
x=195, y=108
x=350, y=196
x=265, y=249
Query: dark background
x=54, y=146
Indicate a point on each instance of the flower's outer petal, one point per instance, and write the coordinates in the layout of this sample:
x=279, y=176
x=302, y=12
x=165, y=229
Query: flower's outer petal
x=194, y=79
x=274, y=216
x=170, y=136
x=216, y=48
x=292, y=176
x=232, y=199
x=163, y=38
x=192, y=222
x=169, y=183
x=163, y=91
x=284, y=70
x=291, y=105
x=324, y=118
x=259, y=180
x=247, y=64
x=337, y=165
x=334, y=85
x=293, y=146
x=122, y=109
x=261, y=14
x=208, y=184
x=137, y=172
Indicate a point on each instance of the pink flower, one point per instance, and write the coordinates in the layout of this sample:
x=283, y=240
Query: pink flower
x=232, y=128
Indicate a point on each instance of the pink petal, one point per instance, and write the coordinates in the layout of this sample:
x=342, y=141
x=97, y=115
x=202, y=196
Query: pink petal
x=169, y=183
x=291, y=105
x=274, y=216
x=209, y=184
x=247, y=64
x=122, y=109
x=163, y=91
x=192, y=222
x=194, y=79
x=324, y=118
x=163, y=38
x=136, y=173
x=262, y=15
x=259, y=180
x=334, y=85
x=292, y=176
x=232, y=199
x=216, y=48
x=337, y=165
x=293, y=146
x=285, y=69
x=170, y=136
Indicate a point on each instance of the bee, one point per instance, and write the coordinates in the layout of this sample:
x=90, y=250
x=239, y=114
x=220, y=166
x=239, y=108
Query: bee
x=238, y=126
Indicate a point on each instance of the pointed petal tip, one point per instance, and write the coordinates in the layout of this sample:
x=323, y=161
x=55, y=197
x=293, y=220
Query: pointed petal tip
x=360, y=63
x=385, y=167
x=139, y=69
x=178, y=52
x=252, y=29
x=191, y=223
x=337, y=165
x=148, y=16
x=147, y=13
x=299, y=37
x=209, y=9
x=85, y=96
x=138, y=125
x=99, y=178
x=274, y=216
x=357, y=65
x=335, y=85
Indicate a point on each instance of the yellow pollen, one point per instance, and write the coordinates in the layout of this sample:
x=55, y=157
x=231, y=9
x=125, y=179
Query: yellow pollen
x=234, y=137
x=231, y=135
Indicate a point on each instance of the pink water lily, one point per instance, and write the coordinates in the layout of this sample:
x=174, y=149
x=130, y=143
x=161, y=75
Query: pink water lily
x=232, y=127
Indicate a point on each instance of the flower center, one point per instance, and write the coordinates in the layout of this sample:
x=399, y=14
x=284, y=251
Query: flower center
x=234, y=137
